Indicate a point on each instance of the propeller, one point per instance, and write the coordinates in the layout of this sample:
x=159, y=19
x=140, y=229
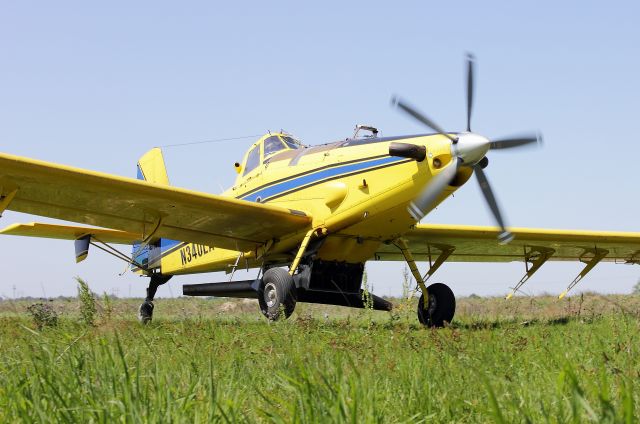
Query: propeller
x=402, y=105
x=507, y=143
x=468, y=149
x=470, y=62
x=505, y=236
x=429, y=195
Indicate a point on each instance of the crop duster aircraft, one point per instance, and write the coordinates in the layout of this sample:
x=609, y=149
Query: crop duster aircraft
x=308, y=218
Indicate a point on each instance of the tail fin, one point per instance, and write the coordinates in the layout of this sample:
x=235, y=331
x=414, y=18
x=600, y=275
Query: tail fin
x=151, y=167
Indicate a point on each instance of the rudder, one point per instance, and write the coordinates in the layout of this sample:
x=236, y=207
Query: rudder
x=151, y=167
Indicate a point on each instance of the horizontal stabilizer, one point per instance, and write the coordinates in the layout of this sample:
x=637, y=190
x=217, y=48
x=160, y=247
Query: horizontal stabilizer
x=69, y=232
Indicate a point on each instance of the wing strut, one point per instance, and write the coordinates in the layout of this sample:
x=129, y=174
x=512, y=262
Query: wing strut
x=81, y=245
x=232, y=268
x=5, y=201
x=445, y=252
x=110, y=250
x=537, y=256
x=404, y=248
x=598, y=255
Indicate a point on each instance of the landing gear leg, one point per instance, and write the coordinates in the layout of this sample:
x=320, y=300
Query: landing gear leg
x=437, y=304
x=145, y=313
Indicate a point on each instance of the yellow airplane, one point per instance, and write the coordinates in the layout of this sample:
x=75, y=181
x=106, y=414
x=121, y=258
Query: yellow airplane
x=308, y=218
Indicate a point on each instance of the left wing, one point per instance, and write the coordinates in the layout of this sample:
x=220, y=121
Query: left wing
x=140, y=207
x=479, y=244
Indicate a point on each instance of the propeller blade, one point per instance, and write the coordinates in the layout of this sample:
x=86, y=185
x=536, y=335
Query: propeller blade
x=508, y=143
x=396, y=101
x=470, y=62
x=505, y=236
x=425, y=200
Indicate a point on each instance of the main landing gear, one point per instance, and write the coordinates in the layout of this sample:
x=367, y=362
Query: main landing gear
x=440, y=308
x=277, y=294
x=145, y=313
x=312, y=280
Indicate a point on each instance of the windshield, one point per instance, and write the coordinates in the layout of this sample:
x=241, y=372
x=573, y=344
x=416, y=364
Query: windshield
x=272, y=145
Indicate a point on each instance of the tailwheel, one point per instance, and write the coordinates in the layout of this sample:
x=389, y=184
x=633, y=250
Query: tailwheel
x=145, y=313
x=440, y=308
x=277, y=294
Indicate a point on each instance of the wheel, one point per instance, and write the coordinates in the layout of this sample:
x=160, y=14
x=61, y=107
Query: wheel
x=277, y=294
x=145, y=314
x=441, y=307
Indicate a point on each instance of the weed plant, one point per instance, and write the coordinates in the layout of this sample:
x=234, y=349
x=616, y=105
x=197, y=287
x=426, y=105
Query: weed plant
x=87, y=301
x=531, y=360
x=43, y=315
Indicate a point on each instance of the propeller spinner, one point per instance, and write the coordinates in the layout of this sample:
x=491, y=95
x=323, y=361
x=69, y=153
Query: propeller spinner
x=467, y=149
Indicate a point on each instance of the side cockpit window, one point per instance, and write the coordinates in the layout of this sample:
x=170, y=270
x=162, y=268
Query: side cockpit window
x=253, y=160
x=272, y=145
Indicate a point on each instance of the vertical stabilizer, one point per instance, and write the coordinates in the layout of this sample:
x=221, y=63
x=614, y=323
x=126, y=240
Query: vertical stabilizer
x=151, y=167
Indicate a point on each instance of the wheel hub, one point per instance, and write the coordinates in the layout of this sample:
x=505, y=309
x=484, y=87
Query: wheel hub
x=432, y=306
x=270, y=294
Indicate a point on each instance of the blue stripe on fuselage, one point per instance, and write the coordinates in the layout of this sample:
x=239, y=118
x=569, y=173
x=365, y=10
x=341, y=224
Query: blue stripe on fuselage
x=166, y=244
x=139, y=174
x=309, y=179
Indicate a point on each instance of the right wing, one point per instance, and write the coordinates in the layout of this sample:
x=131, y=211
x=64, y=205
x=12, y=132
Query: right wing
x=479, y=244
x=139, y=207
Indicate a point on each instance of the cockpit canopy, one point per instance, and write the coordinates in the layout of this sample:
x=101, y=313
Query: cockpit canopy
x=265, y=148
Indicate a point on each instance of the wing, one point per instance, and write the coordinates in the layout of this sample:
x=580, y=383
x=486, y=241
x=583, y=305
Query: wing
x=68, y=232
x=139, y=207
x=479, y=244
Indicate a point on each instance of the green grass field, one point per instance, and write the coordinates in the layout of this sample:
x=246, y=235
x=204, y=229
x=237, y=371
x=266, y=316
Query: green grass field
x=523, y=360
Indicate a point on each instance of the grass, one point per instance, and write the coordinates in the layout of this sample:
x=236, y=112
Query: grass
x=525, y=360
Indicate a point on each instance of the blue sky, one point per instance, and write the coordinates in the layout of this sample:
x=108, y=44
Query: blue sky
x=96, y=85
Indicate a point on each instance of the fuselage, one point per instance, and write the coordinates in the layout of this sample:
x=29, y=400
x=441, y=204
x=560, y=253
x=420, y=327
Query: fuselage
x=355, y=191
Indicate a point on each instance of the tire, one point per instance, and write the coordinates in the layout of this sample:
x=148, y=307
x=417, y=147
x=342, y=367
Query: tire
x=441, y=308
x=277, y=294
x=145, y=313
